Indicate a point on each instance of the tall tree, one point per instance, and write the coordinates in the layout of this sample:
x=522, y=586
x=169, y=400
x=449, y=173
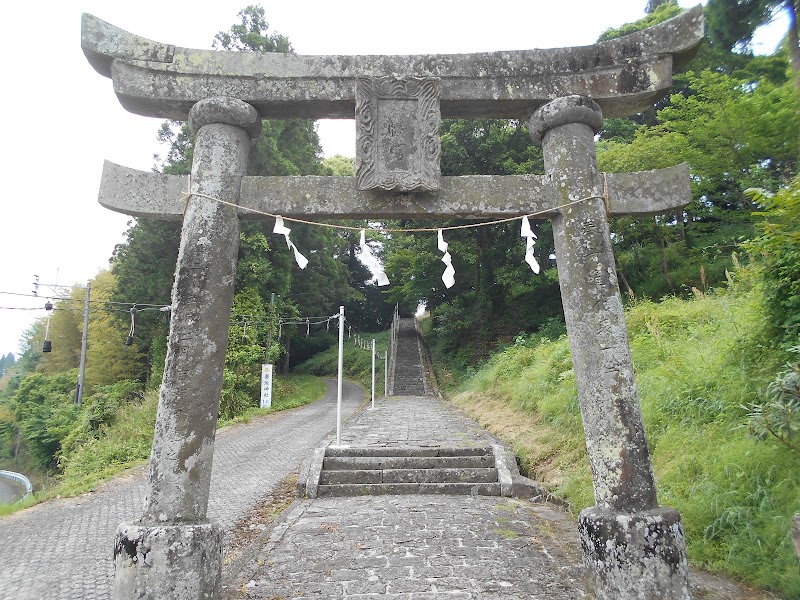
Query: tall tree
x=734, y=135
x=727, y=118
x=108, y=358
x=65, y=331
x=732, y=24
x=144, y=268
x=652, y=5
x=6, y=361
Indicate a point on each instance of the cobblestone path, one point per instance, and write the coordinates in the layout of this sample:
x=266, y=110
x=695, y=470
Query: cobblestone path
x=415, y=547
x=420, y=421
x=61, y=549
x=420, y=547
x=424, y=547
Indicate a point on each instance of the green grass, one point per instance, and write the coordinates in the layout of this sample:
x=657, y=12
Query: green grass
x=698, y=362
x=127, y=441
x=288, y=392
x=357, y=363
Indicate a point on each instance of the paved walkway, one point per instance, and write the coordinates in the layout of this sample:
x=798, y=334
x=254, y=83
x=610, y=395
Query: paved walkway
x=422, y=421
x=414, y=547
x=61, y=549
x=422, y=547
x=419, y=547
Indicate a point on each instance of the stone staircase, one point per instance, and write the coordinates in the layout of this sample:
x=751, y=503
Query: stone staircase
x=343, y=471
x=452, y=455
x=408, y=378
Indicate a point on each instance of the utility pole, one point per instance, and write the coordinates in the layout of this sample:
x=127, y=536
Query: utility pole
x=373, y=373
x=269, y=331
x=267, y=369
x=82, y=369
x=339, y=379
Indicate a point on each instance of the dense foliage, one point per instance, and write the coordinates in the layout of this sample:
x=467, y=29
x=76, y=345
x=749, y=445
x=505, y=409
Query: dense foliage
x=777, y=246
x=496, y=294
x=6, y=362
x=700, y=363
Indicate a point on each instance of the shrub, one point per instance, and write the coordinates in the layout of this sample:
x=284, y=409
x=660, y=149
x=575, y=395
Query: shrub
x=778, y=416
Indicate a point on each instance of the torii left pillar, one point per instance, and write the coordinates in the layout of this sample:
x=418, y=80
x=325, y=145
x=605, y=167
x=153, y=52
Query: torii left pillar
x=173, y=551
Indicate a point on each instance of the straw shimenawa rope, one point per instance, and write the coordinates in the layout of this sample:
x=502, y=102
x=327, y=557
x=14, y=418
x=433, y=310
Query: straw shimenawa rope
x=604, y=197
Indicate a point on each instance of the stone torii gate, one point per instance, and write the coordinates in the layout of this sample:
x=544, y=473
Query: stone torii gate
x=632, y=547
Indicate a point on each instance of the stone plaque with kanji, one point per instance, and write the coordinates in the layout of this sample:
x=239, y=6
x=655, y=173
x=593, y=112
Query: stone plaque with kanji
x=397, y=134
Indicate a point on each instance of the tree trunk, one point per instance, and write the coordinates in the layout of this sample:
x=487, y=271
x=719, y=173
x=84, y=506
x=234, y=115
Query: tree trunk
x=681, y=224
x=623, y=279
x=285, y=369
x=792, y=39
x=662, y=246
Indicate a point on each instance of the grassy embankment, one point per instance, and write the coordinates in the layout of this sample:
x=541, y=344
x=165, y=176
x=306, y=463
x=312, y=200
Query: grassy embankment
x=126, y=441
x=357, y=363
x=698, y=363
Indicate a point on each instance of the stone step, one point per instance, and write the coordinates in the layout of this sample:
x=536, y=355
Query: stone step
x=410, y=451
x=408, y=470
x=356, y=471
x=372, y=476
x=381, y=489
x=334, y=463
x=408, y=375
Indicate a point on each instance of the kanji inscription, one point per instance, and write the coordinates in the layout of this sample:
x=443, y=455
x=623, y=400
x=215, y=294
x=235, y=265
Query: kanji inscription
x=397, y=134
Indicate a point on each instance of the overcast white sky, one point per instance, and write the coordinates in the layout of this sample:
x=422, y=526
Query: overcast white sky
x=61, y=119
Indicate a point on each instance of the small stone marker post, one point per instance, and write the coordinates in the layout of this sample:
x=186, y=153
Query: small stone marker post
x=266, y=386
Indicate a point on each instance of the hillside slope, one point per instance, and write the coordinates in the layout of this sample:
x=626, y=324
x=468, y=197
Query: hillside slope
x=699, y=364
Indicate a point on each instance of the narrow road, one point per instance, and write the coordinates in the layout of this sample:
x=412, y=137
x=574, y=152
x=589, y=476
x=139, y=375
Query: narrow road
x=62, y=549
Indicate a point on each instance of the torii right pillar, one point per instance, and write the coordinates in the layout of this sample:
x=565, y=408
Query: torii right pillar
x=633, y=549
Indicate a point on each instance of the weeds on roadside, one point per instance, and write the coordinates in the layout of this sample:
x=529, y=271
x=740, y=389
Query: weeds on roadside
x=698, y=361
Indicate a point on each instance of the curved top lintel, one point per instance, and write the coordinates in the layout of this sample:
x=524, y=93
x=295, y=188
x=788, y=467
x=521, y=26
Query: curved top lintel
x=102, y=42
x=623, y=68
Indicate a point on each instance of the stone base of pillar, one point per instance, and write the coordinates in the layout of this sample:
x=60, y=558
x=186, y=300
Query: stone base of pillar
x=180, y=562
x=638, y=556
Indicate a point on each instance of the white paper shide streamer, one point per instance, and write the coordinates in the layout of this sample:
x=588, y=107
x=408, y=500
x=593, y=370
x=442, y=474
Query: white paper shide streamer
x=449, y=273
x=281, y=229
x=372, y=262
x=527, y=233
